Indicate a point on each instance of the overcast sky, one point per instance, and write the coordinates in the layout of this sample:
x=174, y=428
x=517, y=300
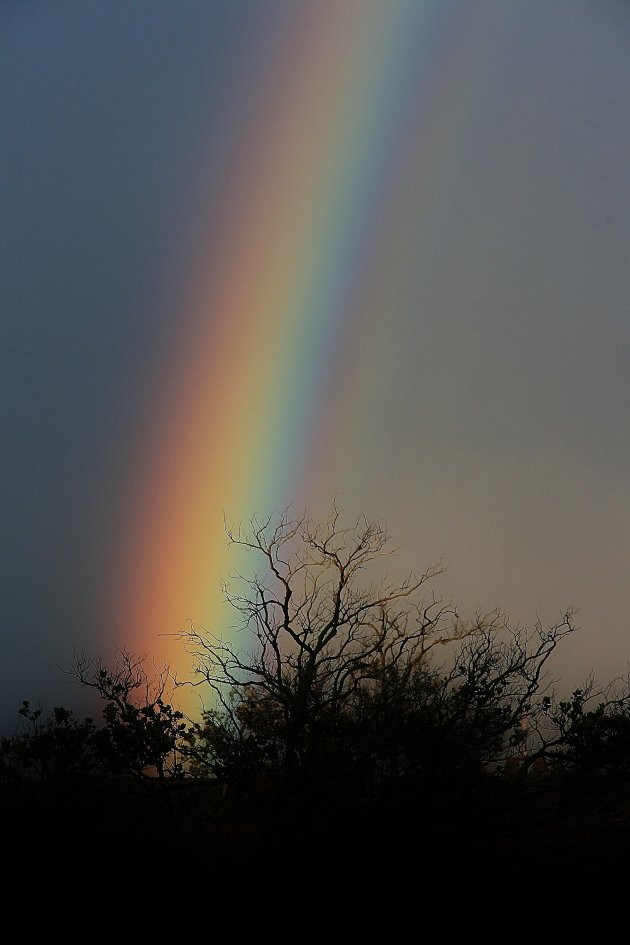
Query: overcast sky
x=485, y=418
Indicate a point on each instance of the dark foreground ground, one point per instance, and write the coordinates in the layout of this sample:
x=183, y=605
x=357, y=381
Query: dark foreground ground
x=109, y=862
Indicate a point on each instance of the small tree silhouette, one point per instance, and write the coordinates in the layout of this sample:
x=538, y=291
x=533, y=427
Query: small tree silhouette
x=53, y=748
x=142, y=733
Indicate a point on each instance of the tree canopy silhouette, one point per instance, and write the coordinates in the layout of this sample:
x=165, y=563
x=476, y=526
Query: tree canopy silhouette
x=328, y=698
x=348, y=707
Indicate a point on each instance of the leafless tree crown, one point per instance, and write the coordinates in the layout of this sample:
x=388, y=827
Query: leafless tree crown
x=316, y=619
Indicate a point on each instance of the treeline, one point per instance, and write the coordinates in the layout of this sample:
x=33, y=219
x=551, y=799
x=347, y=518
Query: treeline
x=334, y=717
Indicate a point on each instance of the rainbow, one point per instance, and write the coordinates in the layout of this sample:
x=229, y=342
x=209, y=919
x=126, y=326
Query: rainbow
x=271, y=329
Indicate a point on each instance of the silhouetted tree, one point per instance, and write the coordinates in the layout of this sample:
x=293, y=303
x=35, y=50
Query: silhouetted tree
x=141, y=735
x=589, y=732
x=52, y=748
x=141, y=727
x=334, y=695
